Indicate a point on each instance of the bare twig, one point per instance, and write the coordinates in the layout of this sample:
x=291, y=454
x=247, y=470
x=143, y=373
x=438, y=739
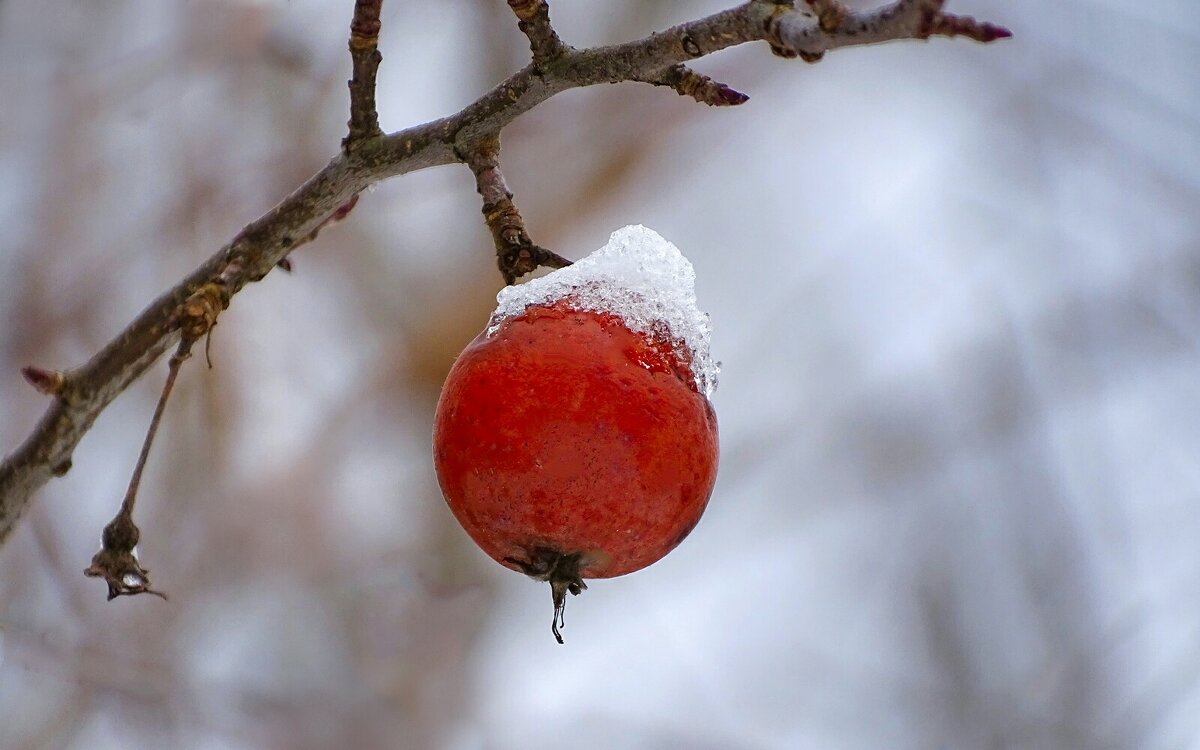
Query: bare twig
x=365, y=57
x=257, y=249
x=516, y=255
x=117, y=561
x=687, y=82
x=47, y=382
x=944, y=24
x=792, y=33
x=533, y=18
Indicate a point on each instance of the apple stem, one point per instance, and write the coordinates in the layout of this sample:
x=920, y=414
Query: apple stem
x=562, y=572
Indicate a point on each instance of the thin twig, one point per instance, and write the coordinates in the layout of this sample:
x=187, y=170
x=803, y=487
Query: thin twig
x=516, y=255
x=793, y=33
x=134, y=481
x=687, y=82
x=117, y=561
x=533, y=18
x=365, y=58
x=47, y=382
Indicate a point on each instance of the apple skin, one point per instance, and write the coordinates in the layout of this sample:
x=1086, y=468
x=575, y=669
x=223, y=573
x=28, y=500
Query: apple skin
x=564, y=434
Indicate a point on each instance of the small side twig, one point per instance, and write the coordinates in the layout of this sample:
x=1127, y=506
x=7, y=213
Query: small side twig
x=365, y=57
x=117, y=561
x=946, y=24
x=47, y=382
x=533, y=19
x=793, y=32
x=687, y=82
x=516, y=255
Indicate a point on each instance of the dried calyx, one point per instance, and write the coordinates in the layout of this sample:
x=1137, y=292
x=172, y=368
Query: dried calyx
x=561, y=570
x=117, y=561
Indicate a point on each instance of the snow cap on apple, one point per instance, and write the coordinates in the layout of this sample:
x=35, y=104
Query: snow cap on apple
x=640, y=277
x=574, y=437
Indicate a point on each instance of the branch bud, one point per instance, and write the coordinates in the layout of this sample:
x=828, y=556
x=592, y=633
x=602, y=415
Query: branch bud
x=47, y=382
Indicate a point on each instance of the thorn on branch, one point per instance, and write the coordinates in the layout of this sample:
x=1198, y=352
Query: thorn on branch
x=47, y=382
x=533, y=19
x=703, y=89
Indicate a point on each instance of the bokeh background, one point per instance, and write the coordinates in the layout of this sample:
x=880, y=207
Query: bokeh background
x=955, y=289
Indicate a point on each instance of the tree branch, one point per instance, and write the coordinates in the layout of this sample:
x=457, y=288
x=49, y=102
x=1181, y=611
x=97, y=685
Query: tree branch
x=687, y=82
x=365, y=59
x=117, y=561
x=86, y=391
x=793, y=33
x=533, y=19
x=516, y=255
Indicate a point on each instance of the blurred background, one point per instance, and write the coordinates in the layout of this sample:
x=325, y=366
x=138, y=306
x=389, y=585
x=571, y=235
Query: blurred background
x=955, y=289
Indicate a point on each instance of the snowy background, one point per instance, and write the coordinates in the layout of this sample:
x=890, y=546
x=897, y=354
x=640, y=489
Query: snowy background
x=955, y=289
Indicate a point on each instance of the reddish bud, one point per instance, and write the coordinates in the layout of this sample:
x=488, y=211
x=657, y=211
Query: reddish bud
x=343, y=210
x=990, y=32
x=48, y=382
x=729, y=97
x=951, y=25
